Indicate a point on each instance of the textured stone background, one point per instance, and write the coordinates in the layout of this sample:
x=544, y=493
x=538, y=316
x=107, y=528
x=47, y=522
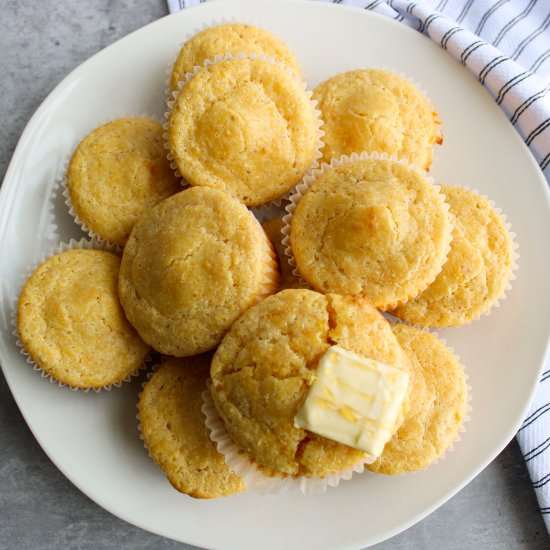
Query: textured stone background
x=40, y=43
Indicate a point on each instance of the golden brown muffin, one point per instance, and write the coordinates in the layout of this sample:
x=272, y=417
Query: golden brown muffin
x=266, y=363
x=478, y=268
x=231, y=38
x=72, y=325
x=243, y=126
x=372, y=227
x=439, y=400
x=273, y=230
x=173, y=430
x=191, y=267
x=118, y=172
x=376, y=111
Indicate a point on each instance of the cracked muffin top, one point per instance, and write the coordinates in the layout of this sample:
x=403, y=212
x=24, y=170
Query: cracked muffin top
x=173, y=430
x=232, y=38
x=478, y=268
x=263, y=368
x=372, y=227
x=72, y=325
x=118, y=172
x=376, y=111
x=438, y=406
x=191, y=267
x=243, y=126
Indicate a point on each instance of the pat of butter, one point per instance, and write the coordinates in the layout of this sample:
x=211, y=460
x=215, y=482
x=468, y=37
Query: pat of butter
x=354, y=400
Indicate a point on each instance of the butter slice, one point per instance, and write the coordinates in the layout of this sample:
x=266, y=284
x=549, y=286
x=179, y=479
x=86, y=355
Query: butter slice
x=354, y=400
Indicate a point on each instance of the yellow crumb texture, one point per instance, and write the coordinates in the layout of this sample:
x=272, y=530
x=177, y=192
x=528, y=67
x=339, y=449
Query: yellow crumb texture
x=174, y=432
x=273, y=230
x=243, y=126
x=191, y=267
x=71, y=323
x=478, y=268
x=118, y=172
x=231, y=38
x=262, y=371
x=439, y=397
x=371, y=227
x=376, y=111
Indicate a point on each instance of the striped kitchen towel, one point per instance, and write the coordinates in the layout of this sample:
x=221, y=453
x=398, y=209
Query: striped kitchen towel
x=506, y=44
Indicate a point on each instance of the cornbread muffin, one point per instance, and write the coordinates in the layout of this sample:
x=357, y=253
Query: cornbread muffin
x=243, y=126
x=192, y=266
x=439, y=400
x=71, y=324
x=273, y=230
x=371, y=227
x=376, y=111
x=478, y=268
x=231, y=38
x=262, y=371
x=118, y=172
x=173, y=430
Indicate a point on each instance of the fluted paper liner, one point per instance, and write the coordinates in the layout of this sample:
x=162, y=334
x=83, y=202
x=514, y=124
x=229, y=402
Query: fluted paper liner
x=315, y=173
x=514, y=251
x=83, y=244
x=254, y=479
x=271, y=275
x=173, y=96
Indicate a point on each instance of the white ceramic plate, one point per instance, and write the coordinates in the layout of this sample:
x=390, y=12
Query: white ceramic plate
x=93, y=439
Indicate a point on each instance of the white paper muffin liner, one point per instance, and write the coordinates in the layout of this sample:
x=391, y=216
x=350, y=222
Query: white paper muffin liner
x=172, y=98
x=311, y=177
x=514, y=267
x=285, y=267
x=268, y=211
x=514, y=249
x=83, y=244
x=272, y=276
x=62, y=181
x=253, y=478
x=196, y=30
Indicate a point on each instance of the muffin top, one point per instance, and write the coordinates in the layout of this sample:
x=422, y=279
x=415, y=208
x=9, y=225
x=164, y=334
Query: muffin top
x=376, y=111
x=273, y=230
x=192, y=265
x=478, y=268
x=231, y=38
x=118, y=172
x=262, y=371
x=439, y=400
x=72, y=325
x=243, y=126
x=173, y=430
x=371, y=227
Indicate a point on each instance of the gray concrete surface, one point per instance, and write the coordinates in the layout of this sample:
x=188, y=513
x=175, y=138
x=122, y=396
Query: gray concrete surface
x=40, y=42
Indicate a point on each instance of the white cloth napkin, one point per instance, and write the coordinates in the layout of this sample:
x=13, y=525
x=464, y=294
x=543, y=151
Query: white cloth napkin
x=517, y=74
